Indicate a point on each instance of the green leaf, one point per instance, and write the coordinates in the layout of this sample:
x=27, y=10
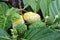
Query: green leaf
x=44, y=5
x=33, y=3
x=25, y=2
x=23, y=39
x=54, y=10
x=8, y=23
x=39, y=31
x=4, y=35
x=3, y=8
x=42, y=33
x=12, y=11
x=13, y=14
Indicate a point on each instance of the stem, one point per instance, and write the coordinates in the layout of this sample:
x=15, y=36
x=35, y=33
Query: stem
x=20, y=6
x=25, y=6
x=23, y=10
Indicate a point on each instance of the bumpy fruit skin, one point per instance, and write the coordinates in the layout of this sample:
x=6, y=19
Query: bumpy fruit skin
x=49, y=20
x=18, y=21
x=31, y=17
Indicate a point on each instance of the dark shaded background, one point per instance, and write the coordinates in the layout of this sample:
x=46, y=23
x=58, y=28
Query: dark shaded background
x=15, y=3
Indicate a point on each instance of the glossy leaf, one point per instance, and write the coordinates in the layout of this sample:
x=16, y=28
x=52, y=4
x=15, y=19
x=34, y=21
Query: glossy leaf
x=39, y=31
x=8, y=23
x=12, y=11
x=54, y=8
x=44, y=5
x=54, y=11
x=4, y=35
x=33, y=3
x=25, y=2
x=42, y=33
x=3, y=8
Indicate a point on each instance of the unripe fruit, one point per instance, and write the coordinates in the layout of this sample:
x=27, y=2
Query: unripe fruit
x=31, y=17
x=18, y=21
x=49, y=20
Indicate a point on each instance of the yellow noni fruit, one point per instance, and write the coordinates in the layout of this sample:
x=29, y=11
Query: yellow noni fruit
x=18, y=21
x=31, y=17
